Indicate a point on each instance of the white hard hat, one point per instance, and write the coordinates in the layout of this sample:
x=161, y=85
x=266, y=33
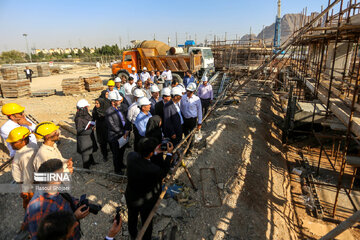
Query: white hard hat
x=191, y=87
x=133, y=68
x=144, y=68
x=176, y=91
x=139, y=93
x=166, y=92
x=143, y=101
x=182, y=88
x=205, y=79
x=117, y=79
x=154, y=88
x=114, y=97
x=82, y=103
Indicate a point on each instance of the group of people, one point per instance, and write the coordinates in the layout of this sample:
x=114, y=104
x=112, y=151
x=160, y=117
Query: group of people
x=157, y=120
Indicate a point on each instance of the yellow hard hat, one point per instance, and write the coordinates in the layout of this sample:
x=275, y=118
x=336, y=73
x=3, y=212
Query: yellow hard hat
x=45, y=128
x=17, y=134
x=111, y=83
x=11, y=108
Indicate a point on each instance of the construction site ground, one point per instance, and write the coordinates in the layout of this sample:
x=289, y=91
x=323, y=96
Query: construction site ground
x=239, y=168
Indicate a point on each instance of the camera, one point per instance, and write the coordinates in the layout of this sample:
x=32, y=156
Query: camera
x=93, y=208
x=164, y=143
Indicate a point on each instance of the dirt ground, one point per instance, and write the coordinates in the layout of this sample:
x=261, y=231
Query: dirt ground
x=248, y=197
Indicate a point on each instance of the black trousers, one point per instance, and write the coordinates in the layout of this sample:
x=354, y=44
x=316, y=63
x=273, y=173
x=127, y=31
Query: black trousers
x=133, y=214
x=87, y=159
x=103, y=148
x=188, y=126
x=205, y=103
x=118, y=155
x=137, y=138
x=28, y=76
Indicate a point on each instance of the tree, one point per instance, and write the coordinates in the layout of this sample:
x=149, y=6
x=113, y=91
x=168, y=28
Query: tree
x=12, y=56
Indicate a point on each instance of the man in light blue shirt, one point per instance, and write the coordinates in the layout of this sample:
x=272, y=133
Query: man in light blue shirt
x=188, y=78
x=190, y=106
x=144, y=116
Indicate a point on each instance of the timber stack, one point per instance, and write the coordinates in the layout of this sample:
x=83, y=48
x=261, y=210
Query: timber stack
x=72, y=86
x=15, y=88
x=93, y=83
x=43, y=70
x=20, y=73
x=9, y=73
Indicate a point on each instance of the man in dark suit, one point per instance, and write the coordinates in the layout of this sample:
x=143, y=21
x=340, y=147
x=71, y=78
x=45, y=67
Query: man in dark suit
x=28, y=73
x=173, y=119
x=145, y=172
x=118, y=127
x=159, y=106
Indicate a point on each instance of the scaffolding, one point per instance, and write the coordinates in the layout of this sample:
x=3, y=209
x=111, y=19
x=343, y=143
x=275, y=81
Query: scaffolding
x=324, y=60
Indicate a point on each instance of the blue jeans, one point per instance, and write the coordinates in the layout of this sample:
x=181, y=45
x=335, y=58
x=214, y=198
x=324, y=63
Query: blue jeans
x=167, y=83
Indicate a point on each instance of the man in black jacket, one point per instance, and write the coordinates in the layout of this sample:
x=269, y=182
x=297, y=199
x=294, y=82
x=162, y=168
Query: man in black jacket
x=173, y=119
x=145, y=172
x=28, y=73
x=118, y=127
x=159, y=106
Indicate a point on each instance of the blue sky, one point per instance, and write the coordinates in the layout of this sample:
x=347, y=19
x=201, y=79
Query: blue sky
x=65, y=23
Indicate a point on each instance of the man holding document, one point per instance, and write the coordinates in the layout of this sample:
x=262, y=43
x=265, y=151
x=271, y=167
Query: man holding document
x=118, y=131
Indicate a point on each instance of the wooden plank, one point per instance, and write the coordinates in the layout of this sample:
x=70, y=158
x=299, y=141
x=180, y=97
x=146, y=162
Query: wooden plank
x=159, y=64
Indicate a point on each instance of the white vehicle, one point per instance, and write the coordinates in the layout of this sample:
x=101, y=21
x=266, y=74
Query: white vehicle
x=207, y=58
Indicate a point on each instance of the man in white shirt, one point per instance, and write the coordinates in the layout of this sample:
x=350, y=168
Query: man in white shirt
x=190, y=106
x=167, y=76
x=132, y=114
x=128, y=87
x=98, y=65
x=133, y=74
x=28, y=73
x=17, y=118
x=144, y=75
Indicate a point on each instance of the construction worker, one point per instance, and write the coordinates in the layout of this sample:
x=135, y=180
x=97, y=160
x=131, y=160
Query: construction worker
x=159, y=106
x=118, y=86
x=144, y=75
x=173, y=120
x=155, y=97
x=167, y=76
x=134, y=110
x=28, y=72
x=17, y=118
x=144, y=115
x=128, y=87
x=118, y=127
x=111, y=87
x=133, y=74
x=48, y=150
x=139, y=84
x=206, y=95
x=22, y=168
x=188, y=78
x=191, y=110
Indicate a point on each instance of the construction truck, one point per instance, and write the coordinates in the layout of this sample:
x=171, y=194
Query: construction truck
x=156, y=55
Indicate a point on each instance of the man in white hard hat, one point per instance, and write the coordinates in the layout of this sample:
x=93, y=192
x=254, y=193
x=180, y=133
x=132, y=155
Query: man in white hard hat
x=155, y=97
x=144, y=75
x=134, y=110
x=118, y=127
x=173, y=120
x=159, y=106
x=167, y=76
x=144, y=116
x=191, y=110
x=133, y=74
x=128, y=87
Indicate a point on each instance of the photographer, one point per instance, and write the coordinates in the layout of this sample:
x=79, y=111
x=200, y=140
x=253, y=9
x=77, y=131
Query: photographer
x=61, y=225
x=145, y=171
x=45, y=202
